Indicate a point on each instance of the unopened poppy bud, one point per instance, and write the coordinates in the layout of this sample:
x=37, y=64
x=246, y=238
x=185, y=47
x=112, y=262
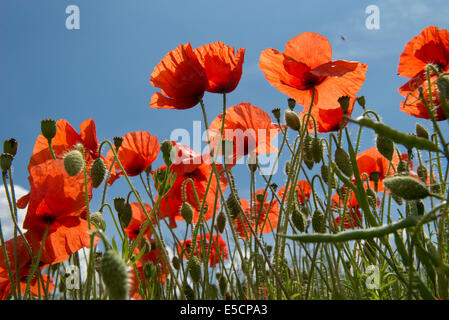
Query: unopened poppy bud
x=149, y=271
x=73, y=162
x=372, y=197
x=48, y=128
x=175, y=262
x=406, y=187
x=195, y=269
x=443, y=86
x=317, y=150
x=309, y=163
x=344, y=103
x=221, y=222
x=343, y=161
x=97, y=172
x=274, y=186
x=361, y=101
x=325, y=176
x=10, y=146
x=125, y=215
x=291, y=103
x=115, y=276
x=402, y=167
x=6, y=161
x=385, y=146
x=117, y=142
x=292, y=120
x=298, y=220
x=97, y=219
x=166, y=149
x=318, y=221
x=187, y=212
x=276, y=113
x=233, y=204
x=422, y=172
x=287, y=167
x=422, y=132
x=223, y=284
x=119, y=203
x=188, y=292
x=308, y=152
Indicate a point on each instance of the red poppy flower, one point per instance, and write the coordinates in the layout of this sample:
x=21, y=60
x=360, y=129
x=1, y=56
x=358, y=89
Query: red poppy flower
x=199, y=168
x=222, y=66
x=431, y=46
x=249, y=127
x=306, y=66
x=137, y=220
x=303, y=190
x=181, y=78
x=217, y=246
x=138, y=151
x=263, y=218
x=371, y=161
x=352, y=215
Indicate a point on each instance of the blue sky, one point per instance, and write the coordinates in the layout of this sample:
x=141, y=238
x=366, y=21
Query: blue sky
x=102, y=71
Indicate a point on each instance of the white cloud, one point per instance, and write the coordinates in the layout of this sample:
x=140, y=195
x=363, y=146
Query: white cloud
x=5, y=215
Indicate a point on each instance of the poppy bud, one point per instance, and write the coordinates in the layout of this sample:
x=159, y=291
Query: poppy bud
x=115, y=276
x=221, y=222
x=422, y=132
x=292, y=120
x=149, y=271
x=422, y=172
x=166, y=148
x=342, y=191
x=402, y=167
x=361, y=101
x=97, y=219
x=119, y=203
x=175, y=262
x=385, y=146
x=443, y=86
x=420, y=209
x=252, y=162
x=223, y=284
x=274, y=186
x=125, y=215
x=234, y=205
x=344, y=103
x=317, y=150
x=434, y=186
x=48, y=128
x=117, y=142
x=73, y=162
x=276, y=113
x=6, y=161
x=325, y=176
x=97, y=172
x=372, y=197
x=195, y=269
x=406, y=187
x=188, y=292
x=343, y=161
x=308, y=152
x=287, y=167
x=298, y=220
x=397, y=199
x=187, y=212
x=309, y=163
x=10, y=146
x=291, y=103
x=318, y=221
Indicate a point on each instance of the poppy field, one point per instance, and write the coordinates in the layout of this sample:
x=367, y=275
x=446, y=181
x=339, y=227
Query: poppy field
x=347, y=223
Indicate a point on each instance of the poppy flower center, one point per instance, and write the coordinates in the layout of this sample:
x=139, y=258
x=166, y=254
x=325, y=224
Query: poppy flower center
x=302, y=77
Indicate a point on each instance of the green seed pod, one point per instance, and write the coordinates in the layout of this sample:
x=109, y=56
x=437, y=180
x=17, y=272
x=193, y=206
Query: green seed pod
x=115, y=276
x=291, y=103
x=73, y=162
x=385, y=146
x=298, y=220
x=233, y=204
x=318, y=221
x=10, y=146
x=325, y=175
x=344, y=103
x=422, y=172
x=97, y=172
x=276, y=113
x=6, y=161
x=372, y=197
x=48, y=128
x=223, y=284
x=119, y=203
x=188, y=292
x=309, y=163
x=195, y=269
x=361, y=101
x=166, y=149
x=97, y=219
x=343, y=162
x=117, y=142
x=125, y=215
x=292, y=120
x=406, y=187
x=402, y=167
x=175, y=262
x=317, y=150
x=187, y=212
x=221, y=222
x=422, y=132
